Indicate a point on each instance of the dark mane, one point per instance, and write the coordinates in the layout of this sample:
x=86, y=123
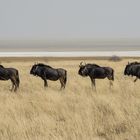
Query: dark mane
x=93, y=65
x=43, y=65
x=133, y=63
x=1, y=66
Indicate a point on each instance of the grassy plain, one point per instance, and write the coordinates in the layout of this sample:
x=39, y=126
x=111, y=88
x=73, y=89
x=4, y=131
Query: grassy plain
x=77, y=113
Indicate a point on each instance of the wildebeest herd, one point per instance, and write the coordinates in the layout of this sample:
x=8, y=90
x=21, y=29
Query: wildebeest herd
x=46, y=72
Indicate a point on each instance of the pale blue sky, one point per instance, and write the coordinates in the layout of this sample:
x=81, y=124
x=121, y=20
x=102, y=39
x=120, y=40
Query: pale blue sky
x=69, y=19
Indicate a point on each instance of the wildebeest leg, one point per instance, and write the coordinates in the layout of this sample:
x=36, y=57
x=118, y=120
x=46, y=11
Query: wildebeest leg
x=45, y=82
x=12, y=86
x=62, y=83
x=93, y=84
x=15, y=87
x=111, y=83
x=13, y=80
x=136, y=79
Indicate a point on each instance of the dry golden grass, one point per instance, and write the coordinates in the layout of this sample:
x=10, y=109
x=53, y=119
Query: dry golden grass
x=77, y=113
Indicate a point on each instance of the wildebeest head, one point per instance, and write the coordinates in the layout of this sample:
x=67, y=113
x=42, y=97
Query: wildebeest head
x=131, y=68
x=33, y=69
x=128, y=68
x=83, y=71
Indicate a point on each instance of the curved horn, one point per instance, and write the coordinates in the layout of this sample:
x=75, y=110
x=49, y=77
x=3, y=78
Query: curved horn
x=80, y=64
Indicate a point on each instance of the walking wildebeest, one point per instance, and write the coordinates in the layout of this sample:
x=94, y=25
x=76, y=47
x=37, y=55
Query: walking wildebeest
x=48, y=73
x=133, y=69
x=96, y=72
x=12, y=74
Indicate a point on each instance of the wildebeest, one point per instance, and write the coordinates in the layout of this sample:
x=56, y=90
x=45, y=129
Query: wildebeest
x=46, y=72
x=133, y=69
x=12, y=74
x=96, y=72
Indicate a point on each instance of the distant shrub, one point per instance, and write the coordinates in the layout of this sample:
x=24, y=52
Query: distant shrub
x=115, y=58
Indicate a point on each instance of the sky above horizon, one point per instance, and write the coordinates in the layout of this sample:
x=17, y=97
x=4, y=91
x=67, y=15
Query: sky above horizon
x=69, y=19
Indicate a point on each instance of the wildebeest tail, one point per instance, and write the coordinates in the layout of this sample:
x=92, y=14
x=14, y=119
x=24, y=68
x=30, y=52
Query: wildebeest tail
x=65, y=78
x=112, y=74
x=17, y=78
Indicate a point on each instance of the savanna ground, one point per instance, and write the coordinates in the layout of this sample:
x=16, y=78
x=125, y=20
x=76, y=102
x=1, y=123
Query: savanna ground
x=77, y=113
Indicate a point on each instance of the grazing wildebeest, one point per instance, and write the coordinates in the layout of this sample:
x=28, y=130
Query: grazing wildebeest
x=133, y=69
x=12, y=74
x=96, y=72
x=48, y=73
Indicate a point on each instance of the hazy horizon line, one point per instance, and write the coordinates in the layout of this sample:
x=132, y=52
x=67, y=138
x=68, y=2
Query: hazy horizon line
x=104, y=41
x=72, y=54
